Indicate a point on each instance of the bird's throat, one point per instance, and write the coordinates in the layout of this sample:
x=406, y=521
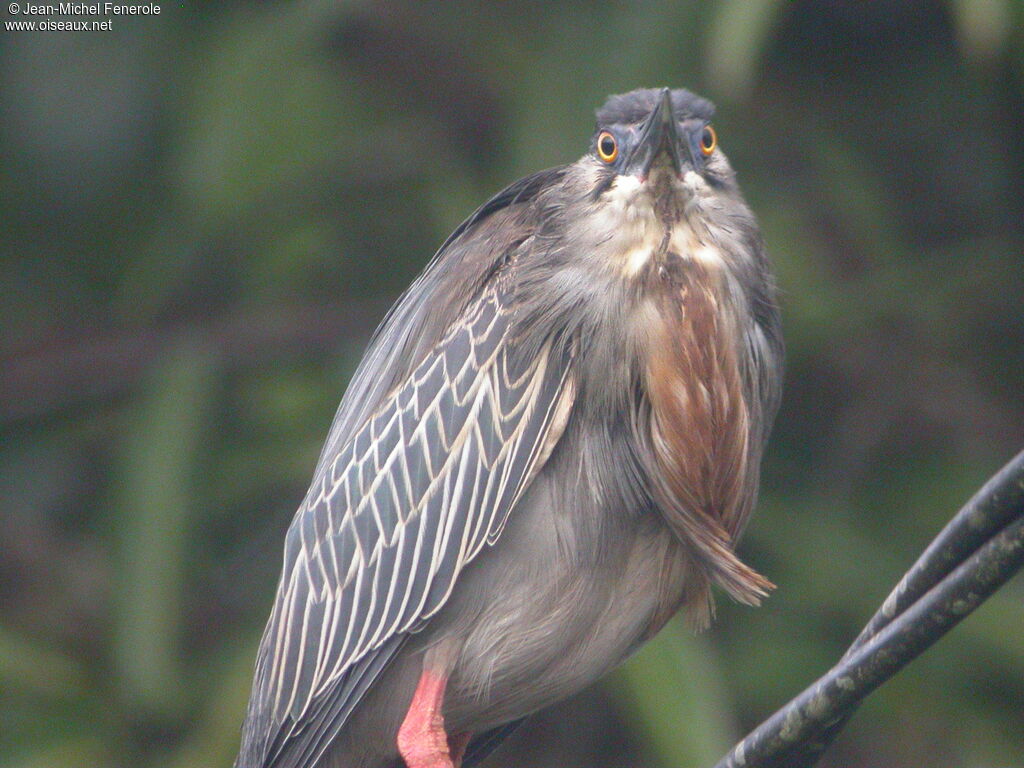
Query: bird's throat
x=660, y=224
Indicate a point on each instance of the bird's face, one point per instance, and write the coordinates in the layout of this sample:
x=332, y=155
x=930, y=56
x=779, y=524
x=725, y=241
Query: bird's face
x=656, y=183
x=661, y=144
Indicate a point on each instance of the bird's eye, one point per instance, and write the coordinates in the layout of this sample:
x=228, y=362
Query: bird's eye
x=708, y=140
x=607, y=147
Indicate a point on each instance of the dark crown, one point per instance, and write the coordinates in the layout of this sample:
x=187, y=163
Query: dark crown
x=636, y=105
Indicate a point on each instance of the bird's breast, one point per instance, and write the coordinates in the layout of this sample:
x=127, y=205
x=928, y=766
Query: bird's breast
x=700, y=418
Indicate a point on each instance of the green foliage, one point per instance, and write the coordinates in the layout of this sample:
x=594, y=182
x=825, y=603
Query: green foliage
x=205, y=213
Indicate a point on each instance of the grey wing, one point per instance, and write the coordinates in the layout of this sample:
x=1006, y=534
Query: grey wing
x=389, y=523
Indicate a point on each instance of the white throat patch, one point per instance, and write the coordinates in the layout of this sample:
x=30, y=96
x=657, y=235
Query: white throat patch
x=640, y=231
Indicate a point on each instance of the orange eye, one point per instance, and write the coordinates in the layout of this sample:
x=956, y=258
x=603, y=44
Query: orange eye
x=708, y=140
x=607, y=147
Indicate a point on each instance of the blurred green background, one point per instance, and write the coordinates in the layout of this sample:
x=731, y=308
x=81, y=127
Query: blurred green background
x=206, y=212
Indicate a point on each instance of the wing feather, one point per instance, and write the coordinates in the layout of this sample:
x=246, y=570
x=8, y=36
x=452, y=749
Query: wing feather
x=416, y=493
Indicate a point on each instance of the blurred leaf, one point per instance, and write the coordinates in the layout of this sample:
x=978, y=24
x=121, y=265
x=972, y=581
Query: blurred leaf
x=154, y=509
x=736, y=42
x=983, y=27
x=265, y=110
x=672, y=691
x=215, y=741
x=74, y=753
x=29, y=666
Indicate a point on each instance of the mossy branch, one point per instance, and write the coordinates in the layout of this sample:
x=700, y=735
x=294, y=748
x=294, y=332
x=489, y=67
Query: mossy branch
x=980, y=549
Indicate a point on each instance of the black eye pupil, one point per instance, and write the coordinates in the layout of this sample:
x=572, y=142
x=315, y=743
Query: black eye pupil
x=607, y=145
x=707, y=140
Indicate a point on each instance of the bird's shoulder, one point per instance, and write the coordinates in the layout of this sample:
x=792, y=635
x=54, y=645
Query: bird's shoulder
x=468, y=260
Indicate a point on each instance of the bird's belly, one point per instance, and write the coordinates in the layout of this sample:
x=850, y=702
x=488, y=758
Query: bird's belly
x=551, y=610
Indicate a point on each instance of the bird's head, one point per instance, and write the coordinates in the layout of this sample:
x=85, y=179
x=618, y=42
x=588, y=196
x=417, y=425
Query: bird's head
x=654, y=181
x=645, y=134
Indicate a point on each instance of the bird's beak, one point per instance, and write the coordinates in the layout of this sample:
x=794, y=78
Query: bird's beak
x=658, y=136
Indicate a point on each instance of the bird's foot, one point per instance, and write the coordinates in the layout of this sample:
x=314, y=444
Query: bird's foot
x=422, y=739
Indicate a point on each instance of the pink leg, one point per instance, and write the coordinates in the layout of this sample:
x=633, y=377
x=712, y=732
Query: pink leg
x=422, y=740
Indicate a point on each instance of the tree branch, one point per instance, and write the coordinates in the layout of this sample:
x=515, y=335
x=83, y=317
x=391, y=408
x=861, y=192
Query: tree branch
x=980, y=549
x=52, y=377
